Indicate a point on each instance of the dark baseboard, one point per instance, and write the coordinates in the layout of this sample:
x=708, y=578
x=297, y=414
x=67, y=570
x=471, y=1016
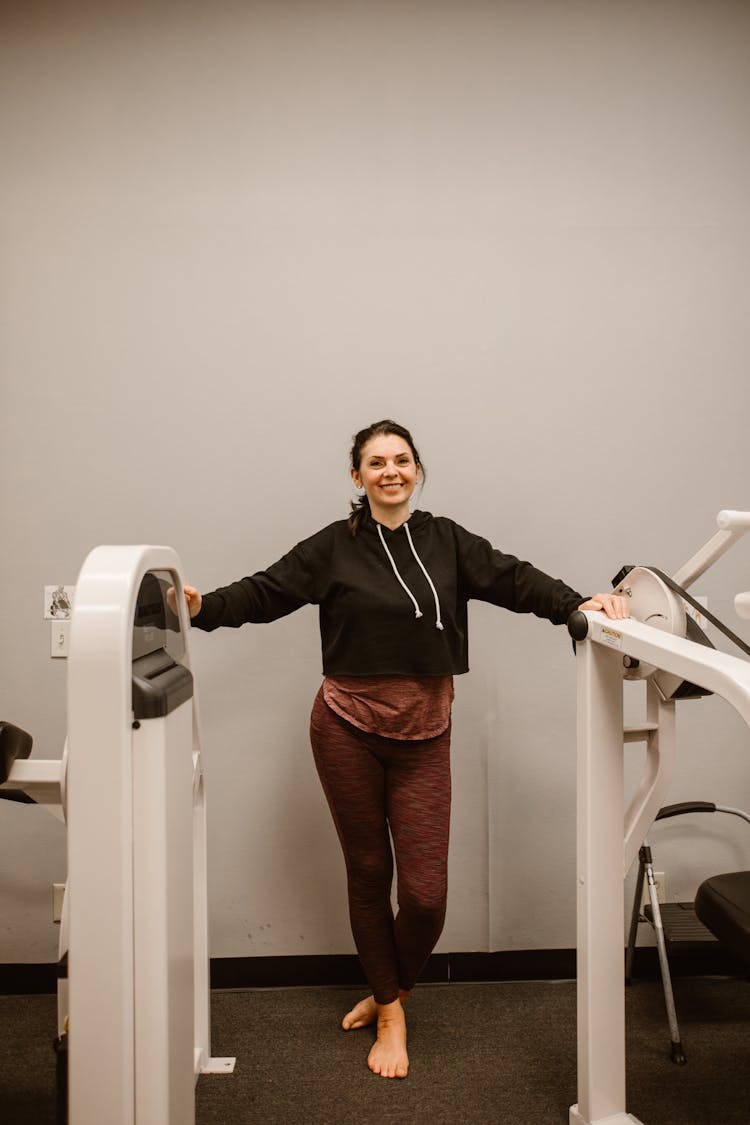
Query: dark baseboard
x=514, y=964
x=284, y=972
x=507, y=965
x=27, y=980
x=345, y=970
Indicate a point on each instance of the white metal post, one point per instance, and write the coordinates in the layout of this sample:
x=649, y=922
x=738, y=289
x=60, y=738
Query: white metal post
x=601, y=979
x=202, y=983
x=163, y=919
x=101, y=1055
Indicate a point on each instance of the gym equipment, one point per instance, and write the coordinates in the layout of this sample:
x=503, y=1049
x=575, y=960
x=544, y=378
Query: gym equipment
x=135, y=1006
x=675, y=924
x=723, y=905
x=607, y=653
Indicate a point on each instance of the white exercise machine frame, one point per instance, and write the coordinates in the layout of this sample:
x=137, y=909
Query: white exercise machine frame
x=606, y=848
x=136, y=1002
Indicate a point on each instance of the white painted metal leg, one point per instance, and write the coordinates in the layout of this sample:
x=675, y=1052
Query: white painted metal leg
x=203, y=1063
x=100, y=885
x=601, y=977
x=575, y=1118
x=202, y=1014
x=661, y=755
x=163, y=919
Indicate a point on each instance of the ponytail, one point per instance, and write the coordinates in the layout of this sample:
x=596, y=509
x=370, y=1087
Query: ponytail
x=359, y=515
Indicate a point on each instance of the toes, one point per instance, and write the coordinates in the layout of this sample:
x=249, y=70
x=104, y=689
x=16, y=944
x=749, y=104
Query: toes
x=361, y=1015
x=388, y=1069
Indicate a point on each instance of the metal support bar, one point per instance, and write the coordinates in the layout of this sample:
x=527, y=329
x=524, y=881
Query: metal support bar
x=601, y=984
x=41, y=779
x=732, y=526
x=661, y=754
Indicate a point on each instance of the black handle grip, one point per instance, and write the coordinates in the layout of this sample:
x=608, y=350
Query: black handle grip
x=578, y=625
x=685, y=807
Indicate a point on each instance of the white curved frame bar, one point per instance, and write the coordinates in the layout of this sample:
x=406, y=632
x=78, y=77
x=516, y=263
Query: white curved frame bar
x=136, y=814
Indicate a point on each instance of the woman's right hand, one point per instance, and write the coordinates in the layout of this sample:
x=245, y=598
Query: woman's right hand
x=193, y=600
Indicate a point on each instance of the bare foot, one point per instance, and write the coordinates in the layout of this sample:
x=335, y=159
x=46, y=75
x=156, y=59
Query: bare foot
x=361, y=1015
x=366, y=1012
x=388, y=1056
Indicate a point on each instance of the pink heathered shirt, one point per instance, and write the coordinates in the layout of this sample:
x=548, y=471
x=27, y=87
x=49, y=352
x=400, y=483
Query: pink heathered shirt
x=397, y=707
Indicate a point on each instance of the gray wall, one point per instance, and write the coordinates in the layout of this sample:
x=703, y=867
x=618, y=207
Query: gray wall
x=232, y=234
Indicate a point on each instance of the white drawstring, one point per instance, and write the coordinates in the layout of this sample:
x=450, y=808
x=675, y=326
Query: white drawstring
x=418, y=611
x=423, y=568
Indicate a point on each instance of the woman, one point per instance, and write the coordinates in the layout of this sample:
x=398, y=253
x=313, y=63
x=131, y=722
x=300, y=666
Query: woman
x=392, y=589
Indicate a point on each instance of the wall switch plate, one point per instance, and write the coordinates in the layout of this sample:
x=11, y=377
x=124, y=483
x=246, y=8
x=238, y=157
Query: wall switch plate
x=59, y=636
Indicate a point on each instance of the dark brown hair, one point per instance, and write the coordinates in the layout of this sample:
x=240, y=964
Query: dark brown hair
x=361, y=508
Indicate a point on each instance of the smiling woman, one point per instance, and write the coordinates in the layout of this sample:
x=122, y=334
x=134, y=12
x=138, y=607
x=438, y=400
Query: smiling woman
x=386, y=465
x=393, y=587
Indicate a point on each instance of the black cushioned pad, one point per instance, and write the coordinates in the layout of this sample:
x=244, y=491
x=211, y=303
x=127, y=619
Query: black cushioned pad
x=723, y=904
x=14, y=743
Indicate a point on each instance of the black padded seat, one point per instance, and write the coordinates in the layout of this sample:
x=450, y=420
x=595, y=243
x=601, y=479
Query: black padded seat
x=723, y=905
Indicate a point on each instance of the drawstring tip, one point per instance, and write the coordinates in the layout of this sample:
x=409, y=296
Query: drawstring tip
x=439, y=625
x=418, y=613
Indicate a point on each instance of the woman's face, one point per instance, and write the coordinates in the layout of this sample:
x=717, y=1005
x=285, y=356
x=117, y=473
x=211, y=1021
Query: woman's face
x=388, y=474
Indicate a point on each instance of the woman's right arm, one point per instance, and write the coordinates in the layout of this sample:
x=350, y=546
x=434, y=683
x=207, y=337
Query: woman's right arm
x=269, y=594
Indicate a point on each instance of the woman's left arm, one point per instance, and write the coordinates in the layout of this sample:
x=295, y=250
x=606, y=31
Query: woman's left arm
x=614, y=605
x=504, y=580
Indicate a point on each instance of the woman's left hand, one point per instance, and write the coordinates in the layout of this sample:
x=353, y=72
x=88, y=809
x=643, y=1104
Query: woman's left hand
x=614, y=605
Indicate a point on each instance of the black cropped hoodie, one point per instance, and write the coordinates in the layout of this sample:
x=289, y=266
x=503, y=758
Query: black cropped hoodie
x=391, y=602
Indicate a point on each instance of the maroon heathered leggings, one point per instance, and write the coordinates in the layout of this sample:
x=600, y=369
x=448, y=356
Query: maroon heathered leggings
x=370, y=783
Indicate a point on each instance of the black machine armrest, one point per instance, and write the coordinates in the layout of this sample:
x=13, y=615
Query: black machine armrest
x=14, y=743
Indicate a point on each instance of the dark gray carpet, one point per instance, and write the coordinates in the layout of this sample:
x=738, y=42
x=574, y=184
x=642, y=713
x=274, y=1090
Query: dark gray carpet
x=479, y=1053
